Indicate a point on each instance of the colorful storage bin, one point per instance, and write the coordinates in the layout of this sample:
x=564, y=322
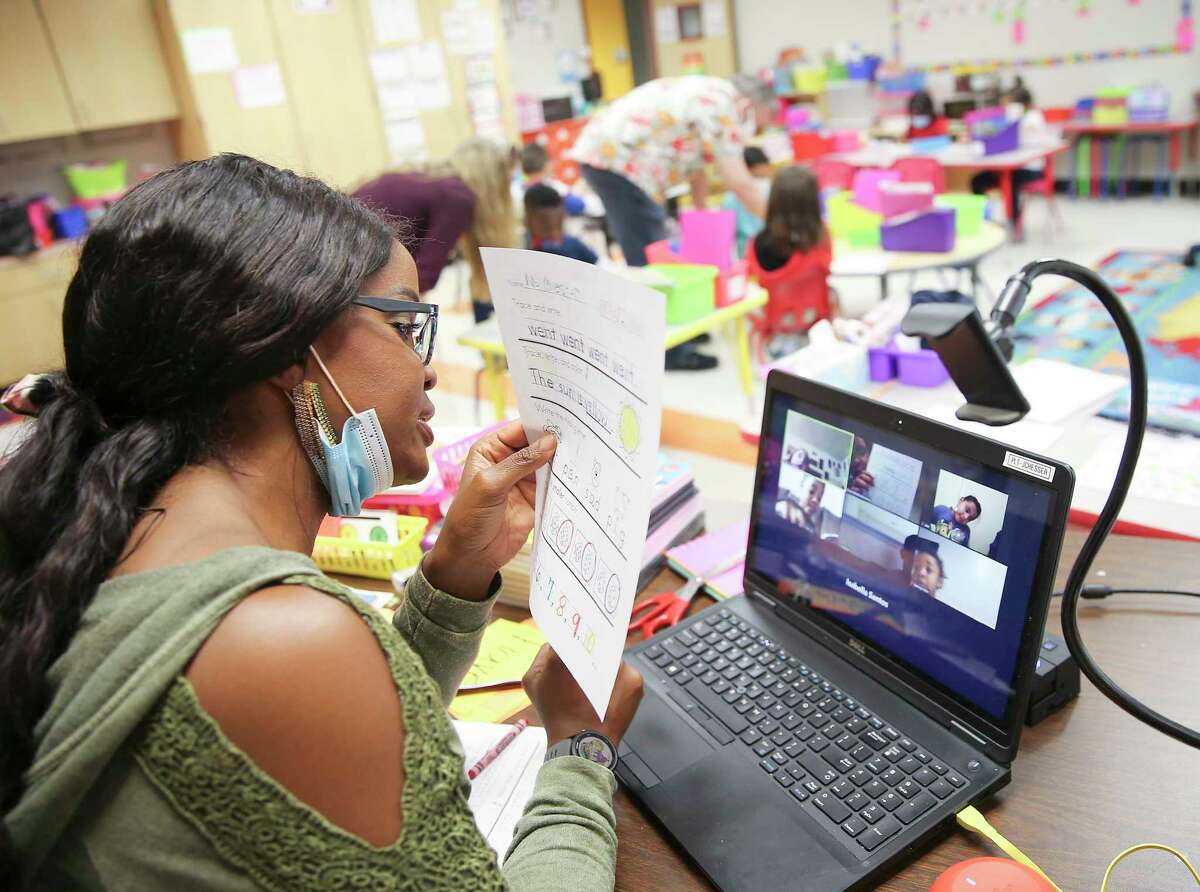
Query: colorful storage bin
x=376, y=560
x=866, y=187
x=96, y=180
x=968, y=210
x=846, y=220
x=692, y=292
x=450, y=458
x=929, y=231
x=897, y=199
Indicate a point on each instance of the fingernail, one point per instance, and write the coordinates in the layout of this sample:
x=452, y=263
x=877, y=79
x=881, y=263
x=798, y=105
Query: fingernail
x=546, y=443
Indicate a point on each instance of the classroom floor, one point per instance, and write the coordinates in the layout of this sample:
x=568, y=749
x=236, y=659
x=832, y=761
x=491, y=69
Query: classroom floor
x=706, y=409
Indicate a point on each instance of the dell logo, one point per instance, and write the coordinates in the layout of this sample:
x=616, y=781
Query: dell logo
x=857, y=646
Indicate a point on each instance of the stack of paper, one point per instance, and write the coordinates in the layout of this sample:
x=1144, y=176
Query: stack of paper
x=491, y=690
x=714, y=550
x=500, y=792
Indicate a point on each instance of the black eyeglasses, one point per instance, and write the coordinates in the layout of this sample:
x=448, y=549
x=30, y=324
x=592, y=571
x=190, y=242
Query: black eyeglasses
x=417, y=325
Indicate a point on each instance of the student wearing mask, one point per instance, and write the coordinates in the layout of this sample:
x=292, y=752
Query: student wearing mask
x=188, y=701
x=923, y=119
x=1033, y=130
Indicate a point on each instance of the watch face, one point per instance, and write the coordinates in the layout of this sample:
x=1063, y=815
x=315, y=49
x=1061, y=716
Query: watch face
x=595, y=748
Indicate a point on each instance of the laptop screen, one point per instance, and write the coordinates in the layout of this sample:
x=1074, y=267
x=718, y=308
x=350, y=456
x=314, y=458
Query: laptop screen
x=928, y=555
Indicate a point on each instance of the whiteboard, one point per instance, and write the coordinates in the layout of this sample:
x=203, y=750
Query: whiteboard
x=934, y=33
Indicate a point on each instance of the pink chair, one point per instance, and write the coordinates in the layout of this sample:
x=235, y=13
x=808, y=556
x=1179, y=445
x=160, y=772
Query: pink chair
x=834, y=174
x=921, y=170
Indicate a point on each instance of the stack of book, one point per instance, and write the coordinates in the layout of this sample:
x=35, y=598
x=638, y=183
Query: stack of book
x=676, y=515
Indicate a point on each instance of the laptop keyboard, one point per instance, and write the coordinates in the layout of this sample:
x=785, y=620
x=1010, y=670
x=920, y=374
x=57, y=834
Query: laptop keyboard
x=866, y=779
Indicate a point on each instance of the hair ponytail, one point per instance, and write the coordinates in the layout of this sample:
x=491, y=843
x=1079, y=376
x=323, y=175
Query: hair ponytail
x=201, y=281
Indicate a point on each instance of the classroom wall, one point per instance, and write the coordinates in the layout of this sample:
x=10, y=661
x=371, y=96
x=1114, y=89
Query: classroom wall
x=537, y=32
x=718, y=50
x=766, y=26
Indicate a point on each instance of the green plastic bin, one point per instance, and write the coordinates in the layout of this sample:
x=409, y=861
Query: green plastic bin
x=96, y=180
x=692, y=292
x=849, y=221
x=968, y=210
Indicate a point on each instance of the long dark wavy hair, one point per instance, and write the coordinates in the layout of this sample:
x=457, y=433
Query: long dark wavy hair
x=200, y=281
x=793, y=221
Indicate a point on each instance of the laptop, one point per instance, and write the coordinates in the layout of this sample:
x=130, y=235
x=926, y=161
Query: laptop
x=819, y=731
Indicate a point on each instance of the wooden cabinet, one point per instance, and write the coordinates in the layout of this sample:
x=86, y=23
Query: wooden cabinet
x=31, y=299
x=331, y=90
x=111, y=58
x=211, y=117
x=33, y=102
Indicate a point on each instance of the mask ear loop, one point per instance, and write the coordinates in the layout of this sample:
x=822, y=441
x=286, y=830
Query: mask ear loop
x=329, y=377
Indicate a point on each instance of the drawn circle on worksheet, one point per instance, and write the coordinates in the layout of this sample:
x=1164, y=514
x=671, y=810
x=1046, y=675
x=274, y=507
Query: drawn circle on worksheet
x=612, y=593
x=588, y=561
x=630, y=429
x=565, y=529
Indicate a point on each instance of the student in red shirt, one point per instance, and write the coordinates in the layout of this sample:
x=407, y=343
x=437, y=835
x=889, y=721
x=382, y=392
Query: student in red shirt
x=923, y=119
x=790, y=258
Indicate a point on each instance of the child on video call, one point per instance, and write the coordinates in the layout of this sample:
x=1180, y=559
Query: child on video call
x=791, y=257
x=952, y=522
x=545, y=217
x=748, y=225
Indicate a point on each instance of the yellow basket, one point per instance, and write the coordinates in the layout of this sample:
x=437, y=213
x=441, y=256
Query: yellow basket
x=377, y=560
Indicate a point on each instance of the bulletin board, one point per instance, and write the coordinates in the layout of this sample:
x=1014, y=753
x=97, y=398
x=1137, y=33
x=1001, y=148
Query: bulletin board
x=936, y=34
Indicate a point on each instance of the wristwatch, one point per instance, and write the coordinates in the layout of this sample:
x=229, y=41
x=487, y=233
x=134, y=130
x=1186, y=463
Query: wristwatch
x=590, y=745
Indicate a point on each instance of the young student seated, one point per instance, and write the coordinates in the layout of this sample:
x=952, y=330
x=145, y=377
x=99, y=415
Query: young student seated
x=952, y=522
x=790, y=258
x=923, y=119
x=1018, y=106
x=544, y=219
x=748, y=225
x=535, y=162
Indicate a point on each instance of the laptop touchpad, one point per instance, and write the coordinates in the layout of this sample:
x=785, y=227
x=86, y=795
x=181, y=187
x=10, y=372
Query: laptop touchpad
x=664, y=741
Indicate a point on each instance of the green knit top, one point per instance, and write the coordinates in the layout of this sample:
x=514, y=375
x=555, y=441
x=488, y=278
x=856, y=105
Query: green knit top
x=134, y=786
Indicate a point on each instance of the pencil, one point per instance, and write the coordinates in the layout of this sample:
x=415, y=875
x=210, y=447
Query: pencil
x=491, y=755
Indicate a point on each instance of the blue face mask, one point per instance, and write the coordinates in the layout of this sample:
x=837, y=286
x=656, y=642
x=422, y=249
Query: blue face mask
x=353, y=468
x=920, y=122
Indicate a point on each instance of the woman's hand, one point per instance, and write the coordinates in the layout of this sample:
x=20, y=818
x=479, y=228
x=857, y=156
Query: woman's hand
x=492, y=514
x=564, y=708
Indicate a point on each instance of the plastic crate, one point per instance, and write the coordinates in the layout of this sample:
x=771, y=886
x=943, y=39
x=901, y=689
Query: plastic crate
x=692, y=293
x=1006, y=139
x=926, y=231
x=96, y=180
x=968, y=210
x=450, y=458
x=731, y=283
x=376, y=560
x=846, y=220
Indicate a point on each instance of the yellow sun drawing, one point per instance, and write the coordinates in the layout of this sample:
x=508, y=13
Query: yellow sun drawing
x=631, y=429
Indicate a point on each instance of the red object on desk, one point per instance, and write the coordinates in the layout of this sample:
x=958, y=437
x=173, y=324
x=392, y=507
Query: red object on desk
x=990, y=875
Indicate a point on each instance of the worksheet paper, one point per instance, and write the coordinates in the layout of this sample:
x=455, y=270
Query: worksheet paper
x=585, y=350
x=500, y=793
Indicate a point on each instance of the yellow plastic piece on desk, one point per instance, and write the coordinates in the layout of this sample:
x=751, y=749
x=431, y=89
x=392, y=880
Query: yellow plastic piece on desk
x=971, y=819
x=1148, y=845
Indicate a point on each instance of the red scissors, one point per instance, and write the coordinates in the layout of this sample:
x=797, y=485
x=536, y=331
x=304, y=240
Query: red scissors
x=668, y=608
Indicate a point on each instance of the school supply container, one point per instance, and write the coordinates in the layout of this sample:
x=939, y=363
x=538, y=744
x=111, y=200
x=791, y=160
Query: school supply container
x=91, y=181
x=847, y=220
x=376, y=560
x=1111, y=106
x=797, y=117
x=731, y=283
x=691, y=292
x=863, y=69
x=707, y=237
x=897, y=199
x=807, y=146
x=866, y=187
x=929, y=231
x=907, y=82
x=968, y=210
x=1006, y=139
x=450, y=458
x=847, y=140
x=808, y=80
x=1148, y=105
x=916, y=368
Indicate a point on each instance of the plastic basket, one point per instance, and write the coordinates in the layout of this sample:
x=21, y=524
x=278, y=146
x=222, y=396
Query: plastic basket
x=450, y=458
x=808, y=81
x=692, y=293
x=96, y=180
x=376, y=560
x=848, y=221
x=968, y=210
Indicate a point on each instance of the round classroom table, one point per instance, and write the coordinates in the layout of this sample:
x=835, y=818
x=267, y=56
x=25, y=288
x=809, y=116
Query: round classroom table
x=968, y=251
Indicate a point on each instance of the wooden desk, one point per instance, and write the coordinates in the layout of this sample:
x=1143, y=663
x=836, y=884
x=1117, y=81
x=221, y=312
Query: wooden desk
x=968, y=251
x=1089, y=781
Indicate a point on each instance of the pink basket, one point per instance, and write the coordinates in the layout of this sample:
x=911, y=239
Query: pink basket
x=897, y=199
x=707, y=237
x=866, y=188
x=450, y=458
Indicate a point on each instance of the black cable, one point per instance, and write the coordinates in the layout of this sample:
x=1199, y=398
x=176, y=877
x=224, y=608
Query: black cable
x=1097, y=592
x=1116, y=498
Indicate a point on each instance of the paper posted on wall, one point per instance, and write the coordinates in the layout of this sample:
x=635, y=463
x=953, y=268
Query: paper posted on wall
x=585, y=349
